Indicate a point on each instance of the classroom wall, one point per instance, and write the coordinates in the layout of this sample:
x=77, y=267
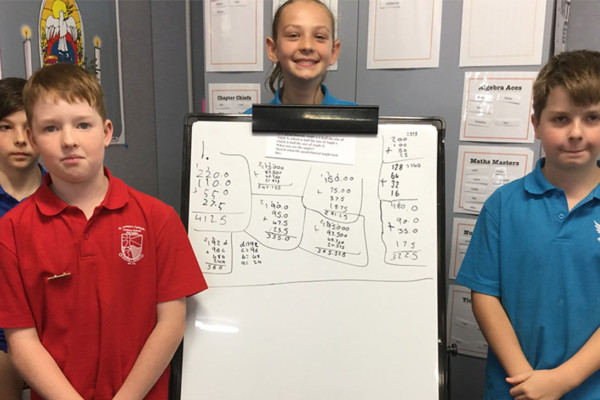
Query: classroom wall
x=156, y=94
x=171, y=90
x=136, y=162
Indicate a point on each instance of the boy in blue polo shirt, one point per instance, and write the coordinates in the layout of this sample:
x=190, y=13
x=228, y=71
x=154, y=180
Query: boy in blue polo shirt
x=533, y=263
x=20, y=176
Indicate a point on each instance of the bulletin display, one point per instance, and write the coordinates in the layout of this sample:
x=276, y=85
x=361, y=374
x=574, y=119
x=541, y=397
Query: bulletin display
x=326, y=278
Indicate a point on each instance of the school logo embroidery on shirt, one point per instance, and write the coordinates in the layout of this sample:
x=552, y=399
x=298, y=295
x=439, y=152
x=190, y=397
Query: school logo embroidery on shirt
x=597, y=225
x=132, y=243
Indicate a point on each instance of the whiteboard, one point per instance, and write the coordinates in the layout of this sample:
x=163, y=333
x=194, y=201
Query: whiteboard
x=324, y=275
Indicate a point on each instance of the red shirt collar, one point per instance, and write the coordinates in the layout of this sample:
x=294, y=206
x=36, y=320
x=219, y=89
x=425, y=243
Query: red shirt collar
x=50, y=204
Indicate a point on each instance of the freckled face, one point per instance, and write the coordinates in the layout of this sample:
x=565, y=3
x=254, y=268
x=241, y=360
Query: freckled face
x=304, y=47
x=71, y=138
x=570, y=134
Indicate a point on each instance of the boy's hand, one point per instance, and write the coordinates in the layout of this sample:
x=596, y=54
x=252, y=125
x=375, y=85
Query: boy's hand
x=546, y=384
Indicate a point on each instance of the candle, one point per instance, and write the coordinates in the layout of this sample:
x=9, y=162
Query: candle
x=97, y=43
x=26, y=32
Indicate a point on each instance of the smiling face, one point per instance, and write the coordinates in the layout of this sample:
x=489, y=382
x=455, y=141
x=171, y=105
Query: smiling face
x=16, y=152
x=303, y=43
x=71, y=138
x=570, y=134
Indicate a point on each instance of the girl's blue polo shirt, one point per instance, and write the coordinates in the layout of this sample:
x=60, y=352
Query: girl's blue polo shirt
x=328, y=100
x=543, y=262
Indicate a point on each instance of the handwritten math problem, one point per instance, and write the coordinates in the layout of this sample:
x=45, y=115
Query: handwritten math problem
x=260, y=220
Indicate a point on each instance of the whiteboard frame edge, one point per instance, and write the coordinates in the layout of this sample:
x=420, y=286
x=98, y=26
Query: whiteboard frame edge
x=440, y=124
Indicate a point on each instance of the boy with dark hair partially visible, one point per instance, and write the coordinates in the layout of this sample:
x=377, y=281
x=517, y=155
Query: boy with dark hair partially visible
x=20, y=176
x=533, y=263
x=94, y=274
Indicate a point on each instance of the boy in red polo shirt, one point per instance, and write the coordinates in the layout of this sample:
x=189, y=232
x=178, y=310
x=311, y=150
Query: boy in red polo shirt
x=93, y=273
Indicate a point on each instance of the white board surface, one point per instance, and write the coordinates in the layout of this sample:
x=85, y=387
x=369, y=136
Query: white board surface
x=323, y=277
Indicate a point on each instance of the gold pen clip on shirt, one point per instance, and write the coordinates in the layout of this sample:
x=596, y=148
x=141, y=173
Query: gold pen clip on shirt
x=63, y=275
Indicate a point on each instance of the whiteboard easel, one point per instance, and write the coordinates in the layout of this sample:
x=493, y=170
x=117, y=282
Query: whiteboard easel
x=347, y=302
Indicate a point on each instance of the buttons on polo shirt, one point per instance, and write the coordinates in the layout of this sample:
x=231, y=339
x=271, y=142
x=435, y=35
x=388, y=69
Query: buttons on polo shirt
x=561, y=216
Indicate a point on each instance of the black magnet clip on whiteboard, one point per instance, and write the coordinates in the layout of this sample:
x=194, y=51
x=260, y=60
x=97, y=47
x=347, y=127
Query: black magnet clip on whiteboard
x=452, y=349
x=271, y=118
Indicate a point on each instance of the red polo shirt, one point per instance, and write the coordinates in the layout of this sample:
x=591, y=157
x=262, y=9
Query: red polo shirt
x=90, y=287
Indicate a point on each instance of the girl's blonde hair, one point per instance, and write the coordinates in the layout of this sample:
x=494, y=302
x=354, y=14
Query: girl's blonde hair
x=275, y=79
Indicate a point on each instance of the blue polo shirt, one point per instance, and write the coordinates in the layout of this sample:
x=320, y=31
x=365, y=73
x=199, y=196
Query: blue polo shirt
x=7, y=202
x=543, y=262
x=328, y=100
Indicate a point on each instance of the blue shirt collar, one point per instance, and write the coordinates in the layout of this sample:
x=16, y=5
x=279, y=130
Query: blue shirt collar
x=537, y=184
x=327, y=98
x=7, y=201
x=5, y=194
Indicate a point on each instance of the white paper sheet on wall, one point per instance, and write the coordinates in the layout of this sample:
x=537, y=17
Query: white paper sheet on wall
x=404, y=34
x=233, y=35
x=502, y=32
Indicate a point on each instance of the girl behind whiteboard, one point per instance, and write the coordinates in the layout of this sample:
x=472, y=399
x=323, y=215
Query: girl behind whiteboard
x=302, y=47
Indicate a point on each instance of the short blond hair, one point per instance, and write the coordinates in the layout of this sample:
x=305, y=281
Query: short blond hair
x=68, y=82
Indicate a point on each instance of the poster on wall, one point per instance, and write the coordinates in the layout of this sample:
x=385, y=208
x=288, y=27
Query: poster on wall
x=83, y=32
x=233, y=35
x=507, y=32
x=61, y=33
x=482, y=169
x=404, y=34
x=497, y=107
x=232, y=98
x=463, y=331
x=462, y=230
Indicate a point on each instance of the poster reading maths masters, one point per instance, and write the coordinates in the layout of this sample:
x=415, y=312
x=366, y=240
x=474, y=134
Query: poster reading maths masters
x=482, y=169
